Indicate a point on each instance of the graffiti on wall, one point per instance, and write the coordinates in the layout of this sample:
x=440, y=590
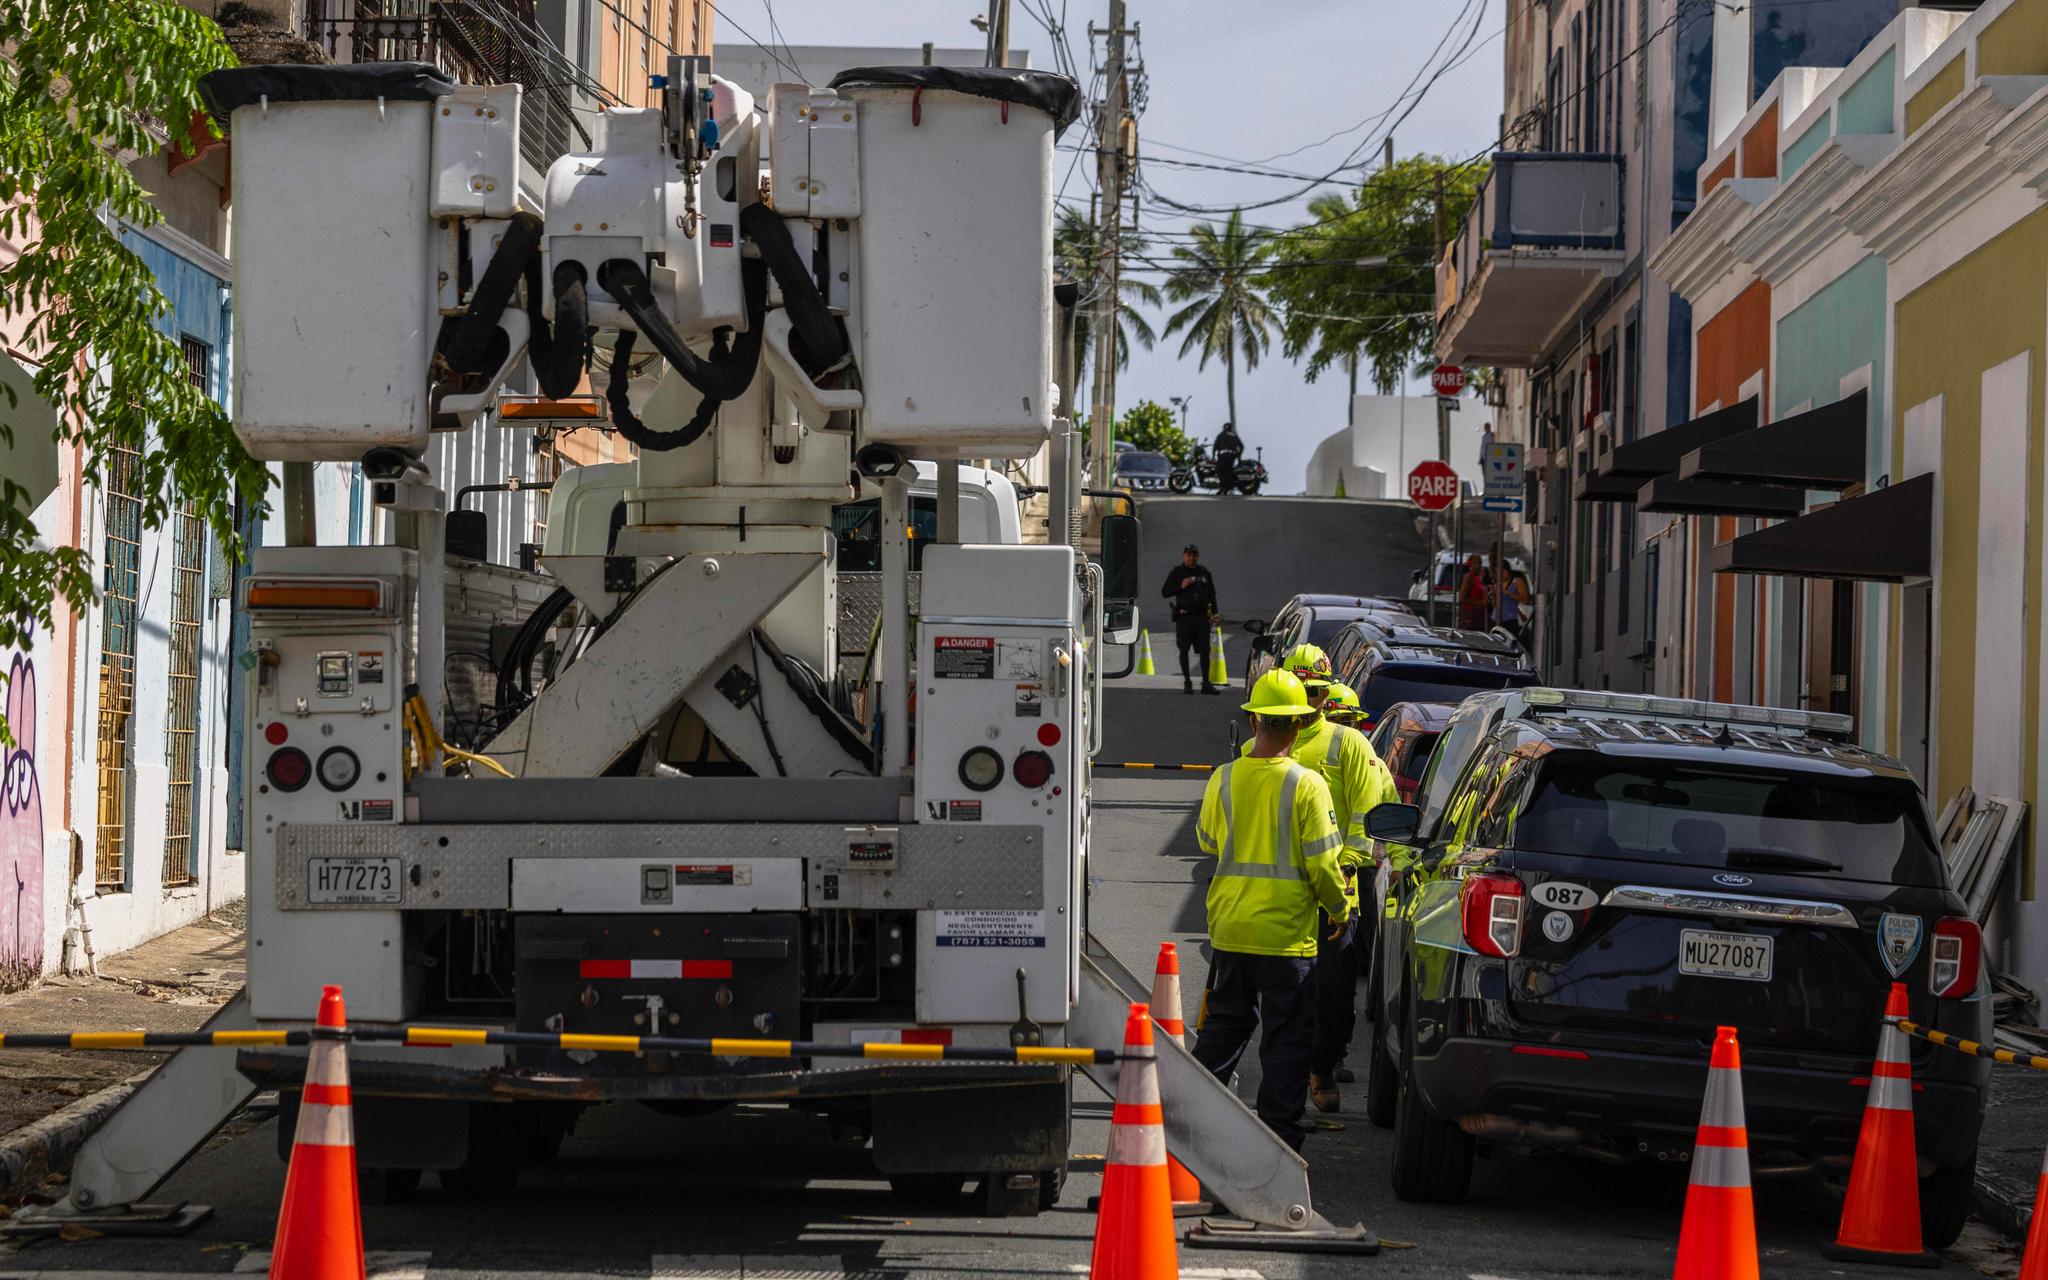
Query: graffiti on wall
x=21, y=835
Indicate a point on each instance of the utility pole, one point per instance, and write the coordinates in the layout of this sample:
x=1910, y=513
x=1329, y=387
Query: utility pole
x=1109, y=173
x=999, y=33
x=1443, y=407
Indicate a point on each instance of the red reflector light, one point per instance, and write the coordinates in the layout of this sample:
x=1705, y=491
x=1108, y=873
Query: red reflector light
x=654, y=969
x=1033, y=769
x=288, y=770
x=1490, y=907
x=928, y=1035
x=1545, y=1051
x=1958, y=957
x=275, y=733
x=1048, y=735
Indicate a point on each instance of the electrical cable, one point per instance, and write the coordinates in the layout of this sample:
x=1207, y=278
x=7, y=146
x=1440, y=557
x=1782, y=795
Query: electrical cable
x=760, y=700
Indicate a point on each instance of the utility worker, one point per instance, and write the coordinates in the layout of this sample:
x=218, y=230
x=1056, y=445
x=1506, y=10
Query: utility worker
x=1358, y=781
x=1273, y=832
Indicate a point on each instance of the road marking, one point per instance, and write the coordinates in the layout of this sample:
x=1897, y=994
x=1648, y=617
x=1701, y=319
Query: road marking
x=679, y=1266
x=728, y=1267
x=382, y=1264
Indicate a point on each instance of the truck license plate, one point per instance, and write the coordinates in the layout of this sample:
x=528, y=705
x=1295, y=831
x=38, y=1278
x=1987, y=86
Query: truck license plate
x=1725, y=955
x=345, y=882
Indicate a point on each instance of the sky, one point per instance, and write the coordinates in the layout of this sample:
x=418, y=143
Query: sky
x=1247, y=81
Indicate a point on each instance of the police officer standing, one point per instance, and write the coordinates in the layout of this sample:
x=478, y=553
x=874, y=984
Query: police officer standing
x=1358, y=782
x=1229, y=448
x=1193, y=593
x=1270, y=825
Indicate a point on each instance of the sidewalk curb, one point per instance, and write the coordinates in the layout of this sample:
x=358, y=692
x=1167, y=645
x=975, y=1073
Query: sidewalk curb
x=2005, y=1206
x=47, y=1146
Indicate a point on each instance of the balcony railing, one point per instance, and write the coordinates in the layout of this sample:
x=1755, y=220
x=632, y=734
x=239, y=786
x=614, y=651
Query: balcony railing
x=473, y=42
x=1544, y=224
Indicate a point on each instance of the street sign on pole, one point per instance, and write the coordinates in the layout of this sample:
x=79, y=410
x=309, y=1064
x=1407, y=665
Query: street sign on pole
x=1501, y=464
x=1432, y=486
x=1448, y=380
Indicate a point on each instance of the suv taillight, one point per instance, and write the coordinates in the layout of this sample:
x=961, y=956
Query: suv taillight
x=1958, y=954
x=1491, y=907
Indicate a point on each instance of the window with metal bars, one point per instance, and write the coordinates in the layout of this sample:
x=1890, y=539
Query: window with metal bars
x=188, y=611
x=119, y=588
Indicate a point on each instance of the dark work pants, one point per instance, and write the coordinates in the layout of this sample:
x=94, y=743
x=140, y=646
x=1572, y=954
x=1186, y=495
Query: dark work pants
x=1336, y=995
x=1275, y=996
x=1226, y=472
x=1192, y=633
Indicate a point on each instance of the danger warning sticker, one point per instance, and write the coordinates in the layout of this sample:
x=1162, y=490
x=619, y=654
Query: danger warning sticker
x=990, y=928
x=964, y=658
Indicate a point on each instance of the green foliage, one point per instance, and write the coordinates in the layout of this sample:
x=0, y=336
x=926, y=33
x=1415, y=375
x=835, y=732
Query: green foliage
x=1151, y=425
x=1384, y=315
x=1220, y=277
x=1076, y=257
x=82, y=86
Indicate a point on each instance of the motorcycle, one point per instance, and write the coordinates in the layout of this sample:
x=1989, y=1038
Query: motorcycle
x=1200, y=469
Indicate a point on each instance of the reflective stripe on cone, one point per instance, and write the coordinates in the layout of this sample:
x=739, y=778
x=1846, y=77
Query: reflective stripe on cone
x=1717, y=1240
x=1881, y=1213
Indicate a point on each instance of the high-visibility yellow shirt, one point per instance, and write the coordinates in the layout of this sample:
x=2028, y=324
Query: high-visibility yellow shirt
x=1269, y=824
x=1357, y=780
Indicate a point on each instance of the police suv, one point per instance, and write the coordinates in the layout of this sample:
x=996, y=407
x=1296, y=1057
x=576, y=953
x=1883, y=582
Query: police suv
x=1589, y=883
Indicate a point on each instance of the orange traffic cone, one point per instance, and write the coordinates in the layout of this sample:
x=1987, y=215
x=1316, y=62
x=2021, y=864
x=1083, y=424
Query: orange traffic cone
x=1186, y=1188
x=320, y=1226
x=2034, y=1262
x=1134, y=1228
x=1881, y=1215
x=1718, y=1238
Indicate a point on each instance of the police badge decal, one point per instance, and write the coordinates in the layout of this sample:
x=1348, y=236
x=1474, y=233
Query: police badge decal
x=1898, y=941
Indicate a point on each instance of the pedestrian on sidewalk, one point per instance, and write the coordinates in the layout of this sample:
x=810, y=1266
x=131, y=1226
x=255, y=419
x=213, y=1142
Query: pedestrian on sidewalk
x=1269, y=824
x=1472, y=596
x=1193, y=593
x=1514, y=603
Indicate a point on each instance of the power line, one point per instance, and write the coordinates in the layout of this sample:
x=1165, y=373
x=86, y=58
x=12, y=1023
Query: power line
x=750, y=38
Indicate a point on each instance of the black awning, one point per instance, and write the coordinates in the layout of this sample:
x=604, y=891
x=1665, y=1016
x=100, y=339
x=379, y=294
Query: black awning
x=1657, y=454
x=1667, y=496
x=1883, y=536
x=1603, y=488
x=1819, y=449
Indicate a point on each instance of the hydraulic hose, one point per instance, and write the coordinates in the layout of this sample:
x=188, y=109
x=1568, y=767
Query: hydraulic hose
x=818, y=344
x=735, y=364
x=623, y=279
x=557, y=365
x=558, y=355
x=493, y=293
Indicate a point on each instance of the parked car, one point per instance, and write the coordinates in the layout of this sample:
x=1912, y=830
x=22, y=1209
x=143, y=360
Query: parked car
x=1406, y=736
x=1589, y=884
x=1142, y=470
x=1412, y=663
x=1313, y=619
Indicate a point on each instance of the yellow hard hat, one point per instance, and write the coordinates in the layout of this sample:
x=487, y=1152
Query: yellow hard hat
x=1309, y=664
x=1278, y=693
x=1344, y=696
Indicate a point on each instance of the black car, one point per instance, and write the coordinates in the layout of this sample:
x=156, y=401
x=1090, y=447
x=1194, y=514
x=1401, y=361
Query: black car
x=1315, y=619
x=1413, y=663
x=1143, y=470
x=1591, y=883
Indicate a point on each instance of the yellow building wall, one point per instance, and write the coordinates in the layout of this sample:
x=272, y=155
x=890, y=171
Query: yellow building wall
x=1989, y=307
x=2016, y=42
x=1934, y=95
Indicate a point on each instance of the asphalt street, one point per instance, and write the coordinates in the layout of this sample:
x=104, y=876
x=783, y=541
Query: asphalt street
x=766, y=1192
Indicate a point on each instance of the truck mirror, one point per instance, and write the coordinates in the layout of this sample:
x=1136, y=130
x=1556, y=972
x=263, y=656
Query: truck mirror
x=467, y=535
x=1394, y=822
x=1120, y=557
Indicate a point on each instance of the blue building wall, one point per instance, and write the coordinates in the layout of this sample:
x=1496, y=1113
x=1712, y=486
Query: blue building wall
x=1800, y=33
x=1866, y=106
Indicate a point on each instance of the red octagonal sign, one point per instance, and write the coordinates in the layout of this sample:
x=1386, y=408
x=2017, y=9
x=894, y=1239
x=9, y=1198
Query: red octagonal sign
x=1432, y=485
x=1447, y=379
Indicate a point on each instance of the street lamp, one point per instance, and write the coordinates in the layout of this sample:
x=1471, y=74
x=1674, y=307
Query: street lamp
x=1181, y=403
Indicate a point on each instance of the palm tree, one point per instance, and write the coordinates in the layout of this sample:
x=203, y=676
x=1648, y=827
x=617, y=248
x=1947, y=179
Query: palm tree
x=1221, y=279
x=1075, y=256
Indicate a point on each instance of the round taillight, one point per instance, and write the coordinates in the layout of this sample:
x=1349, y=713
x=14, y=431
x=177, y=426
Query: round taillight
x=288, y=770
x=981, y=769
x=275, y=733
x=339, y=768
x=1048, y=735
x=1033, y=769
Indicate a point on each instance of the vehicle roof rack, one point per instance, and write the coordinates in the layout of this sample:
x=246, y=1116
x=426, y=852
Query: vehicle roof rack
x=1829, y=724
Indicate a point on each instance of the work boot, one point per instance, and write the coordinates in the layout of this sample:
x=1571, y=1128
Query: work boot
x=1346, y=1075
x=1187, y=685
x=1322, y=1091
x=1210, y=688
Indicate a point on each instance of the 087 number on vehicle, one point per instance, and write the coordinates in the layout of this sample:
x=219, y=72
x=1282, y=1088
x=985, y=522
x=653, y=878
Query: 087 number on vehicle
x=1706, y=954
